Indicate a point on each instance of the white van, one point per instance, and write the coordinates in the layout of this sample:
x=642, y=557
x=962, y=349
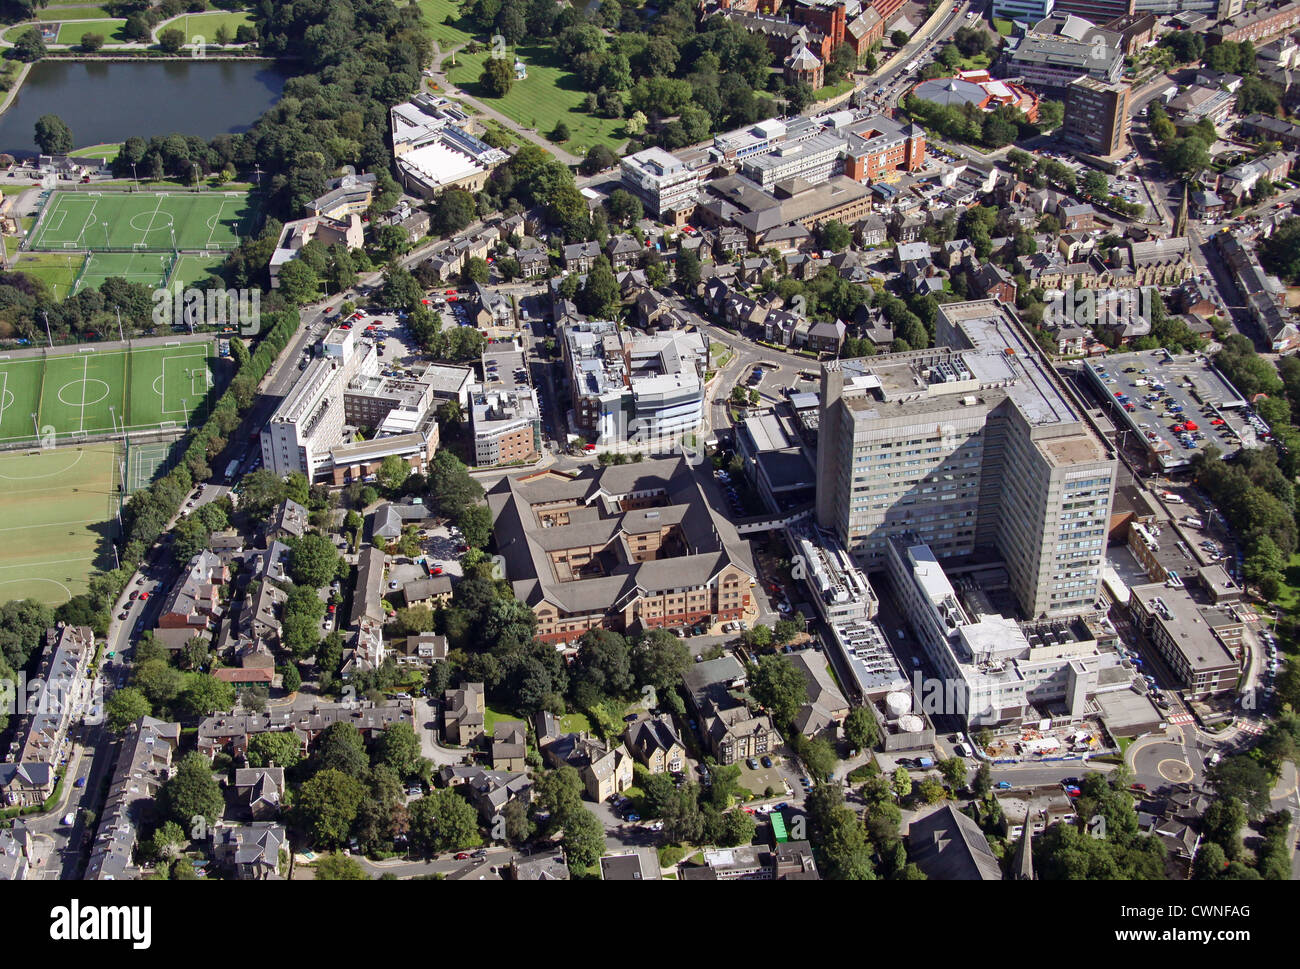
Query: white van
x=1171, y=497
x=1194, y=522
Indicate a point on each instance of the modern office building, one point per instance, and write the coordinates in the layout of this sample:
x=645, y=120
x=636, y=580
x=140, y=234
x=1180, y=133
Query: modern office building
x=1026, y=11
x=991, y=668
x=627, y=385
x=1051, y=62
x=814, y=160
x=974, y=445
x=666, y=185
x=1096, y=116
x=1193, y=640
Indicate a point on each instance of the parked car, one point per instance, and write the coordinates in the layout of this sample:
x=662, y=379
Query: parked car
x=767, y=761
x=751, y=763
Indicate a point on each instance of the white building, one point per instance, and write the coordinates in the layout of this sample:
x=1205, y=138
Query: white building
x=664, y=183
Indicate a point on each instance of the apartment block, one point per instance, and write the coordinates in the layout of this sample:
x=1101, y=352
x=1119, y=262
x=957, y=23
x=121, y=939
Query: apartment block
x=973, y=446
x=665, y=184
x=1097, y=115
x=626, y=547
x=310, y=419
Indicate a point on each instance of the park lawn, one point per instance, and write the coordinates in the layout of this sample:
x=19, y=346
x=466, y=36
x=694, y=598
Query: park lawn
x=206, y=25
x=73, y=13
x=446, y=35
x=833, y=90
x=107, y=151
x=1003, y=27
x=977, y=63
x=57, y=270
x=54, y=508
x=575, y=722
x=110, y=30
x=549, y=95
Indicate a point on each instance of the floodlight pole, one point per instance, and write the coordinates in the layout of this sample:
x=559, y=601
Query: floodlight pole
x=120, y=335
x=36, y=424
x=49, y=336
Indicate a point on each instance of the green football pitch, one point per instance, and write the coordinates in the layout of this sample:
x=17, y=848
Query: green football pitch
x=56, y=519
x=97, y=391
x=144, y=221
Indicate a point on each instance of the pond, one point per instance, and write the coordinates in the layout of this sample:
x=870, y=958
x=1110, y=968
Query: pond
x=109, y=101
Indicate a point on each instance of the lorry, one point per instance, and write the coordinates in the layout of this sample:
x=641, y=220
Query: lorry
x=911, y=66
x=231, y=468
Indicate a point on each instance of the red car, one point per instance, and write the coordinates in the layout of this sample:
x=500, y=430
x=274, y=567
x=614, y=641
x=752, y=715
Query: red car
x=450, y=292
x=589, y=447
x=1139, y=787
x=1192, y=426
x=329, y=309
x=332, y=607
x=345, y=326
x=1218, y=422
x=144, y=596
x=436, y=570
x=462, y=855
x=1179, y=428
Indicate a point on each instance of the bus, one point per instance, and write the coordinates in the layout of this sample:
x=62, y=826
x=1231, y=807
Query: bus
x=911, y=66
x=231, y=468
x=778, y=828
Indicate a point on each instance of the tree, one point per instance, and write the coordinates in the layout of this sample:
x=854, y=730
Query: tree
x=399, y=748
x=125, y=707
x=659, y=659
x=443, y=821
x=278, y=747
x=599, y=158
x=602, y=667
x=298, y=282
x=902, y=782
x=450, y=486
x=341, y=747
x=898, y=38
x=497, y=78
x=1243, y=778
x=335, y=867
x=599, y=294
x=327, y=806
x=171, y=40
x=835, y=235
x=584, y=838
x=560, y=132
x=779, y=687
x=953, y=770
x=91, y=42
x=624, y=208
x=453, y=210
x=392, y=473
x=475, y=524
x=30, y=46
x=205, y=695
x=53, y=136
x=313, y=561
x=861, y=729
x=1096, y=184
x=191, y=792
